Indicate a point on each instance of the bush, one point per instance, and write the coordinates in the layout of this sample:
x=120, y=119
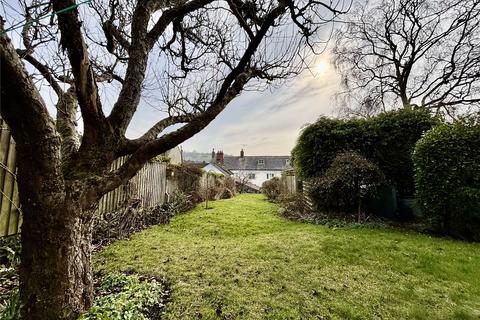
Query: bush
x=187, y=177
x=217, y=187
x=447, y=172
x=293, y=207
x=349, y=179
x=272, y=188
x=386, y=140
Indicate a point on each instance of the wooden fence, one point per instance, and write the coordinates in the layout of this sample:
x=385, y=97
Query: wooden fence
x=289, y=183
x=307, y=185
x=10, y=213
x=150, y=186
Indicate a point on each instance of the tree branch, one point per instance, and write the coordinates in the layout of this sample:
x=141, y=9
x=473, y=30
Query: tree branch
x=87, y=93
x=231, y=87
x=43, y=69
x=142, y=44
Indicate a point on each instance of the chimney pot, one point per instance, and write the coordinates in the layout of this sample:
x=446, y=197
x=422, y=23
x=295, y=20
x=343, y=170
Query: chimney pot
x=219, y=158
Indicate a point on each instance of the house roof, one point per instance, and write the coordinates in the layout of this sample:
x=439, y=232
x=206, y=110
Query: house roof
x=219, y=168
x=255, y=163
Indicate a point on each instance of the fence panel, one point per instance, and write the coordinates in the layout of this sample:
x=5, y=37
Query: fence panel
x=307, y=186
x=10, y=219
x=150, y=185
x=290, y=183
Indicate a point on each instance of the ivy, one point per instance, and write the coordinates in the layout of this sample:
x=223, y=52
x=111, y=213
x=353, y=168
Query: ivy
x=387, y=140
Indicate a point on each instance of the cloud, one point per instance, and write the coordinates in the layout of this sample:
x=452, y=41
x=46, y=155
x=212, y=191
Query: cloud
x=268, y=122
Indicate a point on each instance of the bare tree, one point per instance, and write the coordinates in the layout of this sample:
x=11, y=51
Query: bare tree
x=188, y=59
x=417, y=52
x=242, y=180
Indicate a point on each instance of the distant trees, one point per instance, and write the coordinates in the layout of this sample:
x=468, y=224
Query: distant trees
x=413, y=52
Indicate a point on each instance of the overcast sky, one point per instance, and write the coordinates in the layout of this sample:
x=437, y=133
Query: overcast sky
x=263, y=123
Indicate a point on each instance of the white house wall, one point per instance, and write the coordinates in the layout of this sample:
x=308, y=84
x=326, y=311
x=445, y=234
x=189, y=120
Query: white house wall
x=260, y=175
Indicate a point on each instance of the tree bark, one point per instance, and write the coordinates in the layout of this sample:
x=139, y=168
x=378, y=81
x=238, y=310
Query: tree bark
x=55, y=275
x=55, y=272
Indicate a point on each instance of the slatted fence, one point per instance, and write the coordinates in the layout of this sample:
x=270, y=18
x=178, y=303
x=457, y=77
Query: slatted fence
x=290, y=183
x=150, y=185
x=307, y=185
x=10, y=213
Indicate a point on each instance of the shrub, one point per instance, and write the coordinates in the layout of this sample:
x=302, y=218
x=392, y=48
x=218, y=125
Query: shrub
x=293, y=207
x=272, y=188
x=447, y=172
x=217, y=187
x=10, y=250
x=349, y=179
x=386, y=140
x=187, y=177
x=10, y=307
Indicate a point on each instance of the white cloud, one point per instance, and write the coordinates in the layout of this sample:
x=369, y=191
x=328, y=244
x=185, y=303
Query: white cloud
x=269, y=122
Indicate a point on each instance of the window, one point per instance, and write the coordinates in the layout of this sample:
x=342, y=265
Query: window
x=287, y=162
x=251, y=176
x=270, y=175
x=261, y=162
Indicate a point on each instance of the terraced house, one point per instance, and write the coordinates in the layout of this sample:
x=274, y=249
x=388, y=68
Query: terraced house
x=255, y=169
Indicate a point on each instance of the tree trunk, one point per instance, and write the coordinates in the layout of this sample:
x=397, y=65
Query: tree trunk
x=55, y=274
x=55, y=270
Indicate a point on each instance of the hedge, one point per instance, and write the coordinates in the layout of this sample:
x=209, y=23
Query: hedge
x=447, y=172
x=387, y=140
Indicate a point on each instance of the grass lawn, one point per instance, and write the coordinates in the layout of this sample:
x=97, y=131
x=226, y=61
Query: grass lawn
x=239, y=260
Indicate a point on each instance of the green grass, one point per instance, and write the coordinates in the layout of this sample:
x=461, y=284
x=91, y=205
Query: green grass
x=239, y=260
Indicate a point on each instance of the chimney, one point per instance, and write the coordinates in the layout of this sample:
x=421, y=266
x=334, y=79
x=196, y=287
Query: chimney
x=213, y=155
x=219, y=159
x=242, y=154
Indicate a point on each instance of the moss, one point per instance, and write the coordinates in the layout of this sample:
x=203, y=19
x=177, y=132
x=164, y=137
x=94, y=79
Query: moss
x=239, y=260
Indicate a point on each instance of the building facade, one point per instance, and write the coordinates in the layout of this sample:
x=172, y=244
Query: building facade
x=252, y=169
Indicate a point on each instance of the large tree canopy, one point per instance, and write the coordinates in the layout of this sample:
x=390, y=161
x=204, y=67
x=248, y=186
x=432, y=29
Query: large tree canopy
x=188, y=59
x=410, y=53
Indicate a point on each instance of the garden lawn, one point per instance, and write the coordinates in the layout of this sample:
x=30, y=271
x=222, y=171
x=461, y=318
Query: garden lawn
x=239, y=260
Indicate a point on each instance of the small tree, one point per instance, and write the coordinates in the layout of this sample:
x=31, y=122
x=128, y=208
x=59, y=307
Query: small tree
x=349, y=179
x=242, y=179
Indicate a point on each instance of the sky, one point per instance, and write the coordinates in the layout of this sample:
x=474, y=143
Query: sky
x=262, y=123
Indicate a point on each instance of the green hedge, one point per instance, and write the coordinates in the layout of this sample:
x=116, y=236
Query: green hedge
x=387, y=140
x=447, y=171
